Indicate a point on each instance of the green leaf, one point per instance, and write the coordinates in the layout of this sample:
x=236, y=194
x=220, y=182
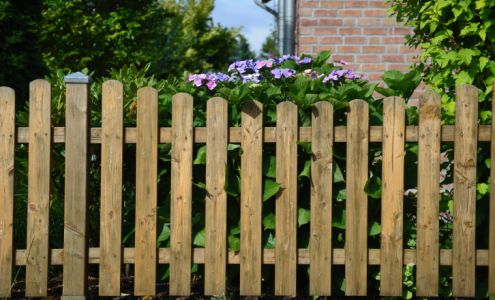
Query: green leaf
x=341, y=195
x=234, y=243
x=199, y=238
x=483, y=61
x=306, y=172
x=337, y=174
x=269, y=221
x=482, y=188
x=303, y=216
x=200, y=156
x=270, y=166
x=375, y=229
x=270, y=189
x=373, y=187
x=165, y=234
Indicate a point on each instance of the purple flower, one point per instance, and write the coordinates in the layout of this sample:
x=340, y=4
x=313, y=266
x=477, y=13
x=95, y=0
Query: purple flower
x=312, y=74
x=278, y=73
x=209, y=80
x=332, y=76
x=305, y=60
x=264, y=63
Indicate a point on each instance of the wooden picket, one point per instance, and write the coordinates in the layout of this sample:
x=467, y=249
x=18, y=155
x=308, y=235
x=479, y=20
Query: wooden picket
x=7, y=146
x=320, y=276
x=146, y=192
x=251, y=198
x=216, y=197
x=320, y=256
x=181, y=195
x=356, y=234
x=428, y=248
x=465, y=150
x=394, y=123
x=112, y=124
x=38, y=189
x=286, y=200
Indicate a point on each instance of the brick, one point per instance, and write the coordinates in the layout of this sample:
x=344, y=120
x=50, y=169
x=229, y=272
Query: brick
x=305, y=12
x=355, y=40
x=375, y=31
x=392, y=49
x=309, y=22
x=321, y=48
x=308, y=40
x=374, y=76
x=400, y=67
x=377, y=67
x=349, y=13
x=374, y=40
x=349, y=49
x=332, y=4
x=393, y=58
x=401, y=30
x=367, y=58
x=376, y=13
x=349, y=4
x=305, y=49
x=330, y=22
x=310, y=3
x=331, y=40
x=346, y=57
x=350, y=30
x=393, y=40
x=325, y=13
x=389, y=22
x=378, y=4
x=325, y=31
x=373, y=49
x=406, y=49
x=369, y=21
x=303, y=30
x=351, y=22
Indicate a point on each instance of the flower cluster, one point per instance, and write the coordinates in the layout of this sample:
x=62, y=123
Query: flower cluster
x=287, y=66
x=336, y=75
x=210, y=80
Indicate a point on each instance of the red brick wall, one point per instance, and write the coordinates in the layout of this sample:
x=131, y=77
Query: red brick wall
x=360, y=32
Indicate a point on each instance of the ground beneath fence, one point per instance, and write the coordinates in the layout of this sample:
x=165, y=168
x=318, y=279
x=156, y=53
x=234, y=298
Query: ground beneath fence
x=127, y=286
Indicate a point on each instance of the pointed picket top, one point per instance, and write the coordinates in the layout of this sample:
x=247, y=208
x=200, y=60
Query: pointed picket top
x=77, y=77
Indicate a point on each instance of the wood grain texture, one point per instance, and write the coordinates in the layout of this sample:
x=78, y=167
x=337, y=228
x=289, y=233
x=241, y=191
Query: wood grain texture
x=146, y=192
x=251, y=198
x=320, y=244
x=112, y=140
x=216, y=197
x=76, y=194
x=491, y=264
x=181, y=195
x=38, y=188
x=7, y=151
x=286, y=200
x=269, y=136
x=465, y=146
x=356, y=234
x=234, y=257
x=428, y=247
x=392, y=197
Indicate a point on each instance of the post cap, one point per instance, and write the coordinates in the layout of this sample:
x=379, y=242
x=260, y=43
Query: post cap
x=77, y=77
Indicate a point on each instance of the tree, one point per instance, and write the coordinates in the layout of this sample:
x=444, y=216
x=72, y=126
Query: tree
x=269, y=47
x=20, y=58
x=171, y=35
x=457, y=38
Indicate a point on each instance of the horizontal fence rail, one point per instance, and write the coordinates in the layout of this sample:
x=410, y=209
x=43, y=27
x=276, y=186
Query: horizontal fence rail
x=251, y=135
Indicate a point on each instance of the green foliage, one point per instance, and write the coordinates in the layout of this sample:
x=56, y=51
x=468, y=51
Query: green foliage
x=457, y=39
x=170, y=35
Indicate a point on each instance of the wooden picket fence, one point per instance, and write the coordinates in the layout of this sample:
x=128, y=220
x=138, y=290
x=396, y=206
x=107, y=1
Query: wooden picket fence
x=75, y=256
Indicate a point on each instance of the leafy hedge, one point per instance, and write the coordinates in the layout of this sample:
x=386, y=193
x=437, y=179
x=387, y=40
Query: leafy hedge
x=303, y=80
